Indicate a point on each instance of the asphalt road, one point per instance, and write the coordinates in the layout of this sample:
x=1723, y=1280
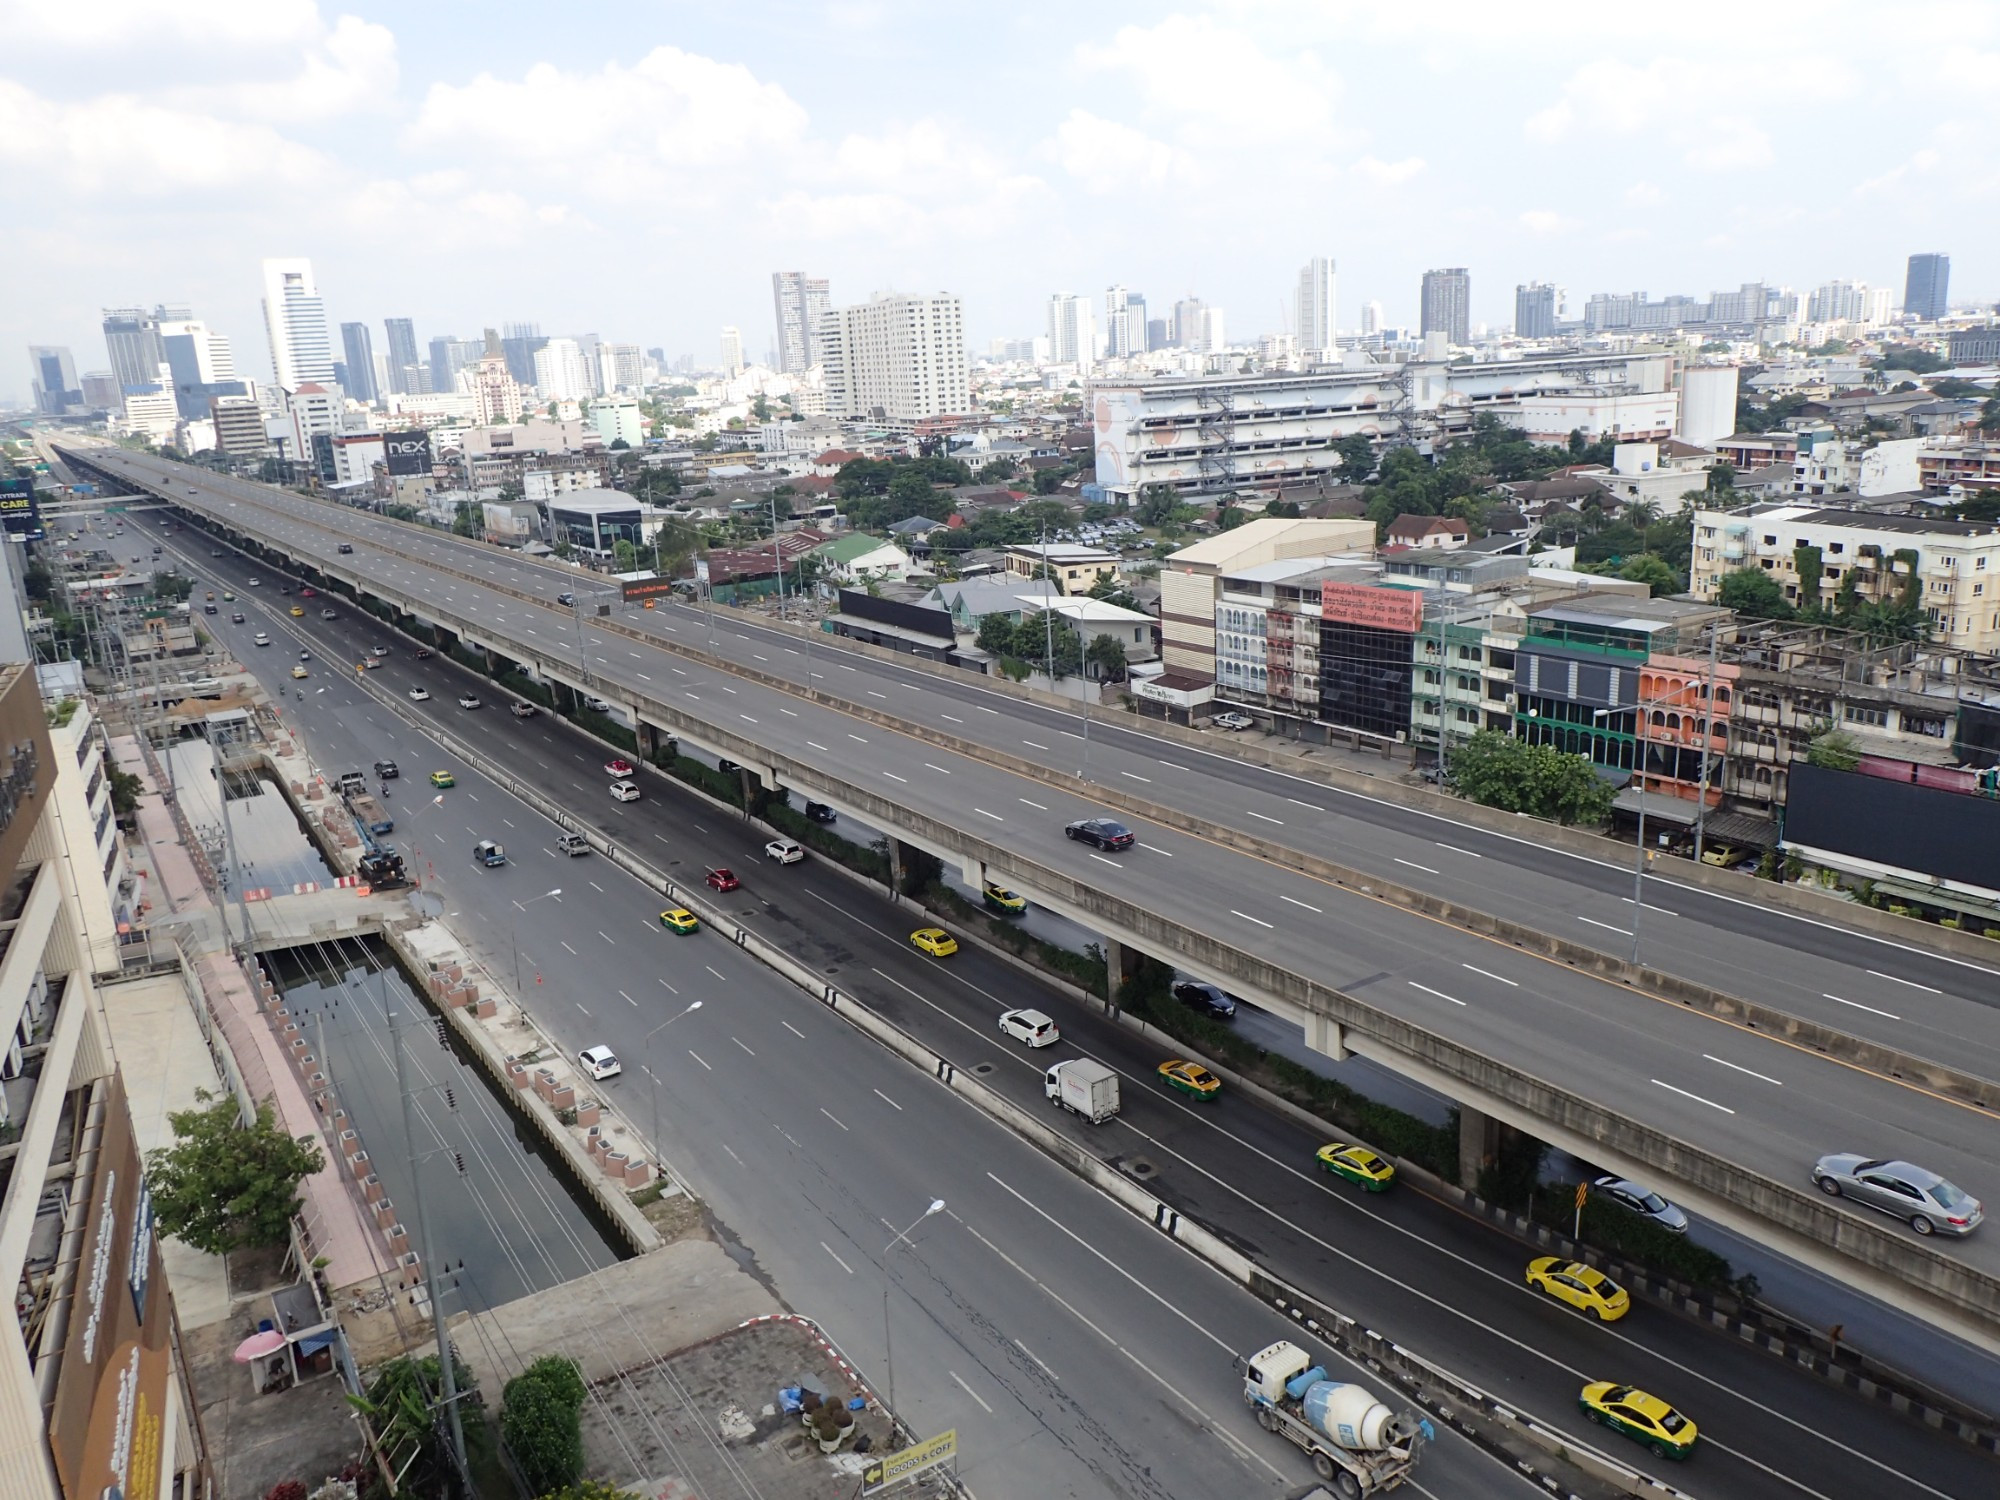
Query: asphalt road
x=826, y=1136
x=1749, y=1097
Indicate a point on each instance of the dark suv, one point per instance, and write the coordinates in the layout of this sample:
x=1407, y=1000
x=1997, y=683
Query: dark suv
x=1198, y=994
x=387, y=770
x=1105, y=833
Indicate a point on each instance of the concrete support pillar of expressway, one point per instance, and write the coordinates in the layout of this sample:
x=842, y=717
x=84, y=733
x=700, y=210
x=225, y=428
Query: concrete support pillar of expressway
x=1324, y=1034
x=1114, y=972
x=1478, y=1144
x=649, y=740
x=895, y=866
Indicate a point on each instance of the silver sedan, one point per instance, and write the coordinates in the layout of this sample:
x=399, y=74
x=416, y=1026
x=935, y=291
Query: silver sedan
x=1916, y=1195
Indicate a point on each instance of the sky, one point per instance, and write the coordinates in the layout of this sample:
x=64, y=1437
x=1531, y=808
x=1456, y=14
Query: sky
x=638, y=168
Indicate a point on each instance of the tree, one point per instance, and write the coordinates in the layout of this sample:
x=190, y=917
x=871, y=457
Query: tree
x=125, y=789
x=996, y=635
x=1653, y=572
x=400, y=1405
x=1156, y=504
x=619, y=445
x=223, y=1184
x=996, y=471
x=625, y=556
x=1500, y=771
x=1283, y=510
x=539, y=1423
x=1107, y=654
x=1357, y=457
x=561, y=547
x=1753, y=593
x=1834, y=749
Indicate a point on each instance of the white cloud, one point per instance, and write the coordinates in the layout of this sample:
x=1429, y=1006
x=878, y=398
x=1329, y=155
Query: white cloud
x=1697, y=111
x=1107, y=157
x=1545, y=221
x=1645, y=195
x=1218, y=80
x=351, y=65
x=1390, y=173
x=227, y=25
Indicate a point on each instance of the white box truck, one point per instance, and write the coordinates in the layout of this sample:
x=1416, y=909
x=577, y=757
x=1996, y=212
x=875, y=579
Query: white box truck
x=1083, y=1087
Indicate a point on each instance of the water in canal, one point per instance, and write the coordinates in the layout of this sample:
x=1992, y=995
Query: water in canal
x=507, y=1218
x=270, y=847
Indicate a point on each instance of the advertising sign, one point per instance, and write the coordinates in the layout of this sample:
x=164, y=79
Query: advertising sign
x=18, y=510
x=407, y=452
x=910, y=1462
x=1373, y=606
x=645, y=588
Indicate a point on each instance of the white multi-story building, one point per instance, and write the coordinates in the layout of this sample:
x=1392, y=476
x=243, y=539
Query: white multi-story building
x=295, y=321
x=896, y=358
x=1072, y=332
x=315, y=410
x=151, y=411
x=1371, y=319
x=561, y=371
x=1121, y=340
x=621, y=368
x=1313, y=308
x=732, y=351
x=617, y=418
x=493, y=390
x=799, y=300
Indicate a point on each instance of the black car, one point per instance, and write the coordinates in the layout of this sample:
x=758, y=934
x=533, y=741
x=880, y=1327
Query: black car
x=566, y=600
x=819, y=812
x=727, y=767
x=1105, y=833
x=386, y=769
x=236, y=617
x=344, y=547
x=1200, y=995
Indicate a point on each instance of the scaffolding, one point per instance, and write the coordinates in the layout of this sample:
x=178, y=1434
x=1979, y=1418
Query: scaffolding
x=1215, y=435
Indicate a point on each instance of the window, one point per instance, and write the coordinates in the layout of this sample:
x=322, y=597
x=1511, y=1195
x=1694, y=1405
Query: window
x=1877, y=717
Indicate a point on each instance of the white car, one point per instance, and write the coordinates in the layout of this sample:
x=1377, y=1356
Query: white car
x=262, y=639
x=784, y=851
x=597, y=705
x=418, y=695
x=378, y=650
x=466, y=700
x=625, y=791
x=1030, y=1027
x=600, y=1062
x=252, y=583
x=1233, y=721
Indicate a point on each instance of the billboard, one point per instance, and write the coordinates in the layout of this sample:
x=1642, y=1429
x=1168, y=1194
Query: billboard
x=407, y=452
x=1938, y=835
x=1373, y=606
x=18, y=510
x=645, y=588
x=107, y=1428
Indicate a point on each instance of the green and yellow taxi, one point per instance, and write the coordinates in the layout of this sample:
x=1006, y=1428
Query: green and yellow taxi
x=1004, y=901
x=1584, y=1288
x=935, y=941
x=680, y=919
x=1357, y=1164
x=1643, y=1418
x=1191, y=1078
x=443, y=778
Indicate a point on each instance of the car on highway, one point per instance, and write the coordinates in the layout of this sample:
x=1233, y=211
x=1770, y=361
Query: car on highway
x=597, y=705
x=1191, y=1078
x=420, y=695
x=935, y=941
x=227, y=597
x=424, y=653
x=1105, y=833
x=346, y=547
x=208, y=609
x=1233, y=722
x=236, y=617
x=212, y=552
x=565, y=599
x=1644, y=1202
x=1916, y=1195
x=388, y=770
x=305, y=656
x=468, y=700
x=819, y=812
x=1583, y=1287
x=1643, y=1418
x=1356, y=1164
x=368, y=664
x=1200, y=995
x=378, y=650
x=523, y=710
x=572, y=844
x=600, y=1063
x=1007, y=903
x=443, y=778
x=489, y=854
x=618, y=767
x=727, y=767
x=297, y=613
x=1031, y=1028
x=210, y=594
x=327, y=614
x=308, y=593
x=625, y=791
x=784, y=851
x=300, y=672
x=680, y=919
x=723, y=880
x=251, y=583
x=283, y=588
x=260, y=639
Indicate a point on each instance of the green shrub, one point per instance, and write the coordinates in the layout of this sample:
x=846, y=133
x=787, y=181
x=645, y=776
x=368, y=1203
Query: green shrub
x=607, y=729
x=1084, y=970
x=1618, y=1231
x=823, y=840
x=539, y=1423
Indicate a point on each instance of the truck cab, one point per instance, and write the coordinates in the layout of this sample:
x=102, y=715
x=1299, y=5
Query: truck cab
x=489, y=854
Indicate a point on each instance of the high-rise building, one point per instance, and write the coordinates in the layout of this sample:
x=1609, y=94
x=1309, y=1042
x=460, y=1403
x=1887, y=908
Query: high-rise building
x=1840, y=302
x=1313, y=307
x=494, y=388
x=518, y=343
x=55, y=384
x=100, y=390
x=1187, y=317
x=800, y=300
x=360, y=351
x=406, y=371
x=621, y=368
x=1371, y=318
x=202, y=363
x=902, y=357
x=1072, y=332
x=1535, y=310
x=732, y=351
x=239, y=426
x=1124, y=323
x=132, y=340
x=1927, y=286
x=295, y=321
x=448, y=356
x=1447, y=304
x=561, y=371
x=1209, y=337
x=1157, y=336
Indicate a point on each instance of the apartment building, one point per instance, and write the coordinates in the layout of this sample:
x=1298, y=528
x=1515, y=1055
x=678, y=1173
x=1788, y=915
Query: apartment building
x=1191, y=579
x=1950, y=568
x=1947, y=464
x=895, y=358
x=1267, y=620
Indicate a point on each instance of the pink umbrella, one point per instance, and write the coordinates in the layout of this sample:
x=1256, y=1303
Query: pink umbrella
x=270, y=1341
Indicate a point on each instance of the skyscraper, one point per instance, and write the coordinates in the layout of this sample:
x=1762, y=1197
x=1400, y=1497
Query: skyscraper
x=1927, y=286
x=406, y=371
x=202, y=363
x=1535, y=310
x=1313, y=305
x=295, y=322
x=132, y=340
x=800, y=300
x=360, y=352
x=1371, y=318
x=1072, y=331
x=1187, y=321
x=561, y=371
x=732, y=351
x=1447, y=303
x=900, y=356
x=1124, y=323
x=55, y=384
x=519, y=344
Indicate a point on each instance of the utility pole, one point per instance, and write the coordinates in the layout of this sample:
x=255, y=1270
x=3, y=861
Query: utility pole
x=1707, y=738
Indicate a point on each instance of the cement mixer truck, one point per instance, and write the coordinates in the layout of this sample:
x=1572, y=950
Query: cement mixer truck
x=1357, y=1445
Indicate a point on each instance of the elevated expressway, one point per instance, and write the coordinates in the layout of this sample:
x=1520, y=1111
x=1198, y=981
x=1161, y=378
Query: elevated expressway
x=1724, y=1105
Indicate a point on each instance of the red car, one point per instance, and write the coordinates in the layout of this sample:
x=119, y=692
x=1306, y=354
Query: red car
x=424, y=653
x=308, y=593
x=723, y=880
x=618, y=768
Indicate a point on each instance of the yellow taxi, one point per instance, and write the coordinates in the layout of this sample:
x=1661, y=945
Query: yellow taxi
x=443, y=778
x=298, y=613
x=1002, y=900
x=1191, y=1078
x=1643, y=1418
x=1358, y=1165
x=1583, y=1287
x=935, y=941
x=680, y=919
x=300, y=672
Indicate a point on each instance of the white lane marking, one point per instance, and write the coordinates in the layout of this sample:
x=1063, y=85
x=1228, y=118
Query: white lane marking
x=1439, y=993
x=888, y=1101
x=1312, y=806
x=572, y=951
x=1134, y=775
x=894, y=777
x=716, y=972
x=704, y=1062
x=627, y=998
x=937, y=768
x=1036, y=805
x=1657, y=1083
x=1248, y=918
x=970, y=1392
x=663, y=838
x=831, y=1116
x=985, y=710
x=595, y=886
x=1511, y=984
x=1891, y=1015
x=1605, y=925
x=793, y=1030
x=600, y=933
x=1415, y=866
x=746, y=718
x=1037, y=1359
x=1738, y=1067
x=953, y=717
x=1898, y=979
x=729, y=690
x=816, y=745
x=1263, y=817
x=985, y=814
x=1033, y=746
x=1111, y=862
x=788, y=713
x=911, y=686
x=745, y=1046
x=1294, y=901
x=836, y=1259
x=857, y=739
x=873, y=694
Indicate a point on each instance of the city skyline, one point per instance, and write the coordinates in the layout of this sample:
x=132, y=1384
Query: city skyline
x=341, y=122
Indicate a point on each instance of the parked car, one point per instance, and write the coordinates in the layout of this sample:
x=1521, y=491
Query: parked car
x=1031, y=1028
x=625, y=791
x=1232, y=721
x=1105, y=833
x=1916, y=1195
x=784, y=851
x=1644, y=1202
x=600, y=1063
x=1200, y=995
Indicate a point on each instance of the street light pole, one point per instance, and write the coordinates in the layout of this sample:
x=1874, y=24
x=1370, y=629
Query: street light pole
x=1639, y=864
x=888, y=1348
x=646, y=1046
x=514, y=941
